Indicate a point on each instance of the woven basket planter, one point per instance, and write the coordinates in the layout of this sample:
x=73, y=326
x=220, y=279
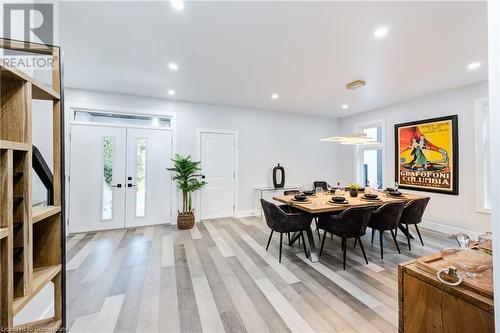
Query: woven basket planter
x=185, y=221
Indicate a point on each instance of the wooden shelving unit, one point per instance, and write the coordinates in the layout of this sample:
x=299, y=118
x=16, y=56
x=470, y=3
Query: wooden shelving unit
x=31, y=239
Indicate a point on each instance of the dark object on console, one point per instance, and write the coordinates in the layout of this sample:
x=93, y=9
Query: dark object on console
x=412, y=214
x=282, y=176
x=351, y=223
x=322, y=184
x=384, y=218
x=285, y=219
x=291, y=192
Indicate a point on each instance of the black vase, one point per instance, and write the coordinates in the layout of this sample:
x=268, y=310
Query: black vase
x=277, y=169
x=353, y=193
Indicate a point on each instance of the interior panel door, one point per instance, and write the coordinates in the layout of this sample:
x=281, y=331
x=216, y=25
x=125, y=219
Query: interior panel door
x=218, y=165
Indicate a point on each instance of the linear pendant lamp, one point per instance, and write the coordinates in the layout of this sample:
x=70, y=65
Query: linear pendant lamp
x=353, y=139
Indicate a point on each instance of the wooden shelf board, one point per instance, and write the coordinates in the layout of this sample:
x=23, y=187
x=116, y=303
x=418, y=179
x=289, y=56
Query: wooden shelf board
x=4, y=232
x=44, y=325
x=4, y=144
x=39, y=90
x=41, y=277
x=41, y=213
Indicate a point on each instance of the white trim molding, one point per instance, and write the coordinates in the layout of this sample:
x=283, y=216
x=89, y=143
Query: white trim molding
x=494, y=107
x=448, y=229
x=481, y=134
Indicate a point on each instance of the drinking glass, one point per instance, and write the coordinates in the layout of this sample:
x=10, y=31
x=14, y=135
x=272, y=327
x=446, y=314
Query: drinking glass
x=319, y=191
x=396, y=186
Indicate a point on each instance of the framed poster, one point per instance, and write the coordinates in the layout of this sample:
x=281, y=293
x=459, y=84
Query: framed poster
x=427, y=155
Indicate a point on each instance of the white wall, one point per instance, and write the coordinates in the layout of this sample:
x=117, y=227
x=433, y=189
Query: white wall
x=265, y=137
x=449, y=210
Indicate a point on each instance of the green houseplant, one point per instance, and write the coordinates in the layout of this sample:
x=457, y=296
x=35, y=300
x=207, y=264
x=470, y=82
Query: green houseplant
x=354, y=189
x=187, y=176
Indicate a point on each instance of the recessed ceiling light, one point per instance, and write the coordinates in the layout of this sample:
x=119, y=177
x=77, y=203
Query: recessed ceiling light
x=345, y=106
x=474, y=65
x=380, y=32
x=171, y=92
x=173, y=66
x=275, y=96
x=177, y=4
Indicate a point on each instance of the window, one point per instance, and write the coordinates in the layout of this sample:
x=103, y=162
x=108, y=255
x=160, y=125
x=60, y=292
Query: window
x=140, y=197
x=107, y=178
x=122, y=119
x=369, y=158
x=482, y=155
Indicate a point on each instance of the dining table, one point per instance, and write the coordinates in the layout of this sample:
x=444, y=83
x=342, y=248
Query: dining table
x=321, y=203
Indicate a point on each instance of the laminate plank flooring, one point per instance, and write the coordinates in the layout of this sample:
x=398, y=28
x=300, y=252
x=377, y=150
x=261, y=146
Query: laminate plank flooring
x=218, y=277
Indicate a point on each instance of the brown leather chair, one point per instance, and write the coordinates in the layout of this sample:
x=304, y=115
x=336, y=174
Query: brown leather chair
x=351, y=223
x=285, y=219
x=385, y=218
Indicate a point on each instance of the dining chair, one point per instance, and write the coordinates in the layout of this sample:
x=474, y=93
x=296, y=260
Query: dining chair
x=412, y=214
x=285, y=219
x=385, y=218
x=320, y=183
x=351, y=223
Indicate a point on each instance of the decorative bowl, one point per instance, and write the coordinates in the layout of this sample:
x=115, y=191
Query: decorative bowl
x=300, y=197
x=338, y=199
x=471, y=262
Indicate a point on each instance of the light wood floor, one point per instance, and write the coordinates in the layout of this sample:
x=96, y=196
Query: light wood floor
x=218, y=277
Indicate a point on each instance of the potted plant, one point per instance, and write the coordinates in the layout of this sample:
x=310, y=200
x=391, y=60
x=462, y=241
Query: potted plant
x=354, y=189
x=188, y=180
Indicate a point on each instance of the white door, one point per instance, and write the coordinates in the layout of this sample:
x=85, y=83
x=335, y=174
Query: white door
x=149, y=184
x=118, y=178
x=97, y=179
x=217, y=155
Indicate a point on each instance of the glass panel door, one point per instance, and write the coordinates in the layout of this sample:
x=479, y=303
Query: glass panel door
x=372, y=168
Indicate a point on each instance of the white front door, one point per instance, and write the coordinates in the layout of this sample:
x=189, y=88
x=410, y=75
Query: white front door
x=97, y=178
x=118, y=178
x=217, y=155
x=149, y=184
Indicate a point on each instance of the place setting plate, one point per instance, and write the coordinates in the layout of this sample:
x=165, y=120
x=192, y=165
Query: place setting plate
x=301, y=201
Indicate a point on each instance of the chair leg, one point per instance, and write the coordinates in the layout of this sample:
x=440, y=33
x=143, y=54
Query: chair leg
x=288, y=238
x=395, y=241
x=396, y=232
x=281, y=243
x=363, y=250
x=373, y=234
x=381, y=244
x=408, y=237
x=317, y=230
x=419, y=236
x=322, y=244
x=355, y=242
x=344, y=243
x=304, y=244
x=269, y=241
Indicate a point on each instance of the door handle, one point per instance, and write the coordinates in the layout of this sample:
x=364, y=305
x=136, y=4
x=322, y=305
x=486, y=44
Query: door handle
x=117, y=185
x=130, y=185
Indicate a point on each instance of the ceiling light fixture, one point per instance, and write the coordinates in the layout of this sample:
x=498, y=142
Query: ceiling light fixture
x=474, y=65
x=353, y=139
x=171, y=92
x=173, y=66
x=355, y=84
x=274, y=96
x=177, y=4
x=380, y=32
x=345, y=106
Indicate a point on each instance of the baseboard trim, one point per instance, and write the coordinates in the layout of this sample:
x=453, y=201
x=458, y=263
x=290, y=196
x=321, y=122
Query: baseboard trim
x=245, y=213
x=448, y=229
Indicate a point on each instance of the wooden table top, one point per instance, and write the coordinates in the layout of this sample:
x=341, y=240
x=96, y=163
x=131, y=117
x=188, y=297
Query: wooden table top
x=320, y=204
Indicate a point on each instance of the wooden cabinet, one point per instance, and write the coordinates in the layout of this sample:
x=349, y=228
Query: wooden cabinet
x=427, y=305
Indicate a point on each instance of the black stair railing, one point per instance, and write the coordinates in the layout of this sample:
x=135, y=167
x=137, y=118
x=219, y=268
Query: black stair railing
x=43, y=172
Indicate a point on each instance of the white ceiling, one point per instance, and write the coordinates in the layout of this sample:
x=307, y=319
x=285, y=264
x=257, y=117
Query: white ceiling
x=239, y=53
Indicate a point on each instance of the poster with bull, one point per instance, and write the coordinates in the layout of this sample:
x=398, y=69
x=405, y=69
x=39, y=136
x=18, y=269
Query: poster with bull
x=427, y=155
